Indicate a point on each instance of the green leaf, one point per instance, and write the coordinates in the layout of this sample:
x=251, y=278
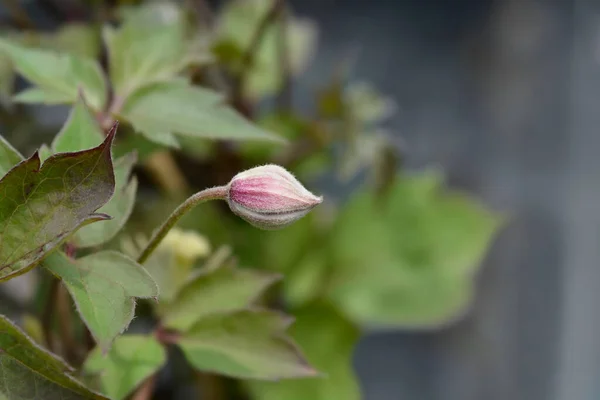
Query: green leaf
x=28, y=372
x=58, y=77
x=173, y=108
x=328, y=340
x=366, y=104
x=80, y=132
x=131, y=360
x=44, y=152
x=41, y=207
x=169, y=272
x=74, y=38
x=9, y=156
x=119, y=206
x=141, y=54
x=409, y=259
x=216, y=291
x=245, y=344
x=104, y=286
x=238, y=22
x=306, y=281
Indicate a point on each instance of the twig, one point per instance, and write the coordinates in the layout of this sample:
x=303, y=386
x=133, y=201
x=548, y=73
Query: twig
x=285, y=93
x=65, y=324
x=144, y=392
x=211, y=386
x=248, y=57
x=163, y=168
x=18, y=14
x=48, y=313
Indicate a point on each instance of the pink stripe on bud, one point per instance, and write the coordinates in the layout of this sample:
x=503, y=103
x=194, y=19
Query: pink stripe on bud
x=269, y=197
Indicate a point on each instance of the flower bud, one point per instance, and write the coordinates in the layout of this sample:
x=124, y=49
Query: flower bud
x=269, y=197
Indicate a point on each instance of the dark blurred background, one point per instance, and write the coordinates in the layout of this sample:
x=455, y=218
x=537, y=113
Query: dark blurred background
x=505, y=96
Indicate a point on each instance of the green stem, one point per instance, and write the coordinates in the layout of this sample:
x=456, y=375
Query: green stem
x=214, y=193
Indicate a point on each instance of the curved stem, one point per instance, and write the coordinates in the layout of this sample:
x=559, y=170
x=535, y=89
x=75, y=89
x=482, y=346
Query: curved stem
x=215, y=193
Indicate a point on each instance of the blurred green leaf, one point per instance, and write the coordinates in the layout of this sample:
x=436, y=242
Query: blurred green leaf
x=44, y=152
x=141, y=145
x=60, y=78
x=7, y=79
x=366, y=104
x=361, y=151
x=131, y=360
x=29, y=372
x=80, y=132
x=74, y=38
x=245, y=344
x=104, y=286
x=305, y=282
x=9, y=156
x=169, y=274
x=328, y=340
x=119, y=207
x=216, y=291
x=41, y=207
x=408, y=259
x=32, y=326
x=172, y=108
x=141, y=54
x=238, y=23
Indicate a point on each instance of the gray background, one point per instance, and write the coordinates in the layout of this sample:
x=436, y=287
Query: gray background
x=505, y=96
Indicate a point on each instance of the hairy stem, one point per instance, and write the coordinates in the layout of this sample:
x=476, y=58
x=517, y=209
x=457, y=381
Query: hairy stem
x=215, y=193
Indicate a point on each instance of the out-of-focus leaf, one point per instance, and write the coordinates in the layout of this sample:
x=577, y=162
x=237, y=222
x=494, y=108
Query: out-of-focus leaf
x=80, y=132
x=171, y=263
x=245, y=344
x=408, y=259
x=7, y=79
x=33, y=327
x=360, y=152
x=306, y=280
x=285, y=248
x=44, y=152
x=58, y=76
x=119, y=206
x=221, y=290
x=328, y=340
x=367, y=105
x=29, y=372
x=104, y=286
x=9, y=156
x=173, y=108
x=141, y=54
x=41, y=207
x=74, y=38
x=138, y=143
x=238, y=22
x=131, y=360
x=155, y=13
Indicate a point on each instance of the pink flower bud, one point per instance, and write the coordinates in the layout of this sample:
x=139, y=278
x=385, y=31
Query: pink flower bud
x=269, y=197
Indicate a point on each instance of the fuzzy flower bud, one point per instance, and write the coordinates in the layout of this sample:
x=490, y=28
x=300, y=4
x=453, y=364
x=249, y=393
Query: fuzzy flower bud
x=269, y=197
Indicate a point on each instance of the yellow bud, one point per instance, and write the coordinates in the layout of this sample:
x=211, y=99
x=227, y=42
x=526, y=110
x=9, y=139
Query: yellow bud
x=188, y=246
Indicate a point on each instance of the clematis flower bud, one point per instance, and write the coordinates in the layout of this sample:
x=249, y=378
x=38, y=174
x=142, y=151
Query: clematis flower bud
x=269, y=197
